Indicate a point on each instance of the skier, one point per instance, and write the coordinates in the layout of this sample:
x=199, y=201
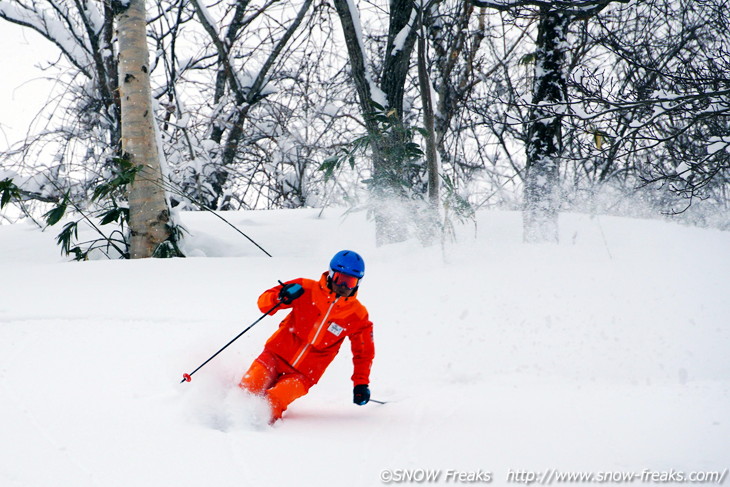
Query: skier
x=323, y=313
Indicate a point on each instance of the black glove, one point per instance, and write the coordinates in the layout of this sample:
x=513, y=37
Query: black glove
x=361, y=394
x=290, y=292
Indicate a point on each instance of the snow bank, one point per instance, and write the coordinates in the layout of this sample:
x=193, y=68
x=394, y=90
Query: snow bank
x=607, y=352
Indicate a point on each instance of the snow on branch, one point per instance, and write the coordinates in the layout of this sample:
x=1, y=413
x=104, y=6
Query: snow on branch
x=55, y=24
x=400, y=38
x=350, y=17
x=577, y=8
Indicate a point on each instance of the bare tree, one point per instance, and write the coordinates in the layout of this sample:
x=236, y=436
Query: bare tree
x=549, y=99
x=83, y=128
x=662, y=110
x=522, y=102
x=239, y=89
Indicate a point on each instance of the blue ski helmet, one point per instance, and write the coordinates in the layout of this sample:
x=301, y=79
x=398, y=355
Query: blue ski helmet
x=348, y=262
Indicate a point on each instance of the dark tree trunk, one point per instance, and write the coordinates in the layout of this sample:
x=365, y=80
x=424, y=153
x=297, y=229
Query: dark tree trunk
x=542, y=197
x=388, y=147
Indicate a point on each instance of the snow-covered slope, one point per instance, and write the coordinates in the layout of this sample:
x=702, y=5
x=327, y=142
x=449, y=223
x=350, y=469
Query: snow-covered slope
x=607, y=353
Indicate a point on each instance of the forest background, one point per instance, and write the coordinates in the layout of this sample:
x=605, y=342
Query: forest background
x=419, y=112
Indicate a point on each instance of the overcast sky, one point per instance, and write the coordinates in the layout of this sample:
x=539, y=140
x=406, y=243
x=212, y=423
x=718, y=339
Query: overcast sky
x=22, y=92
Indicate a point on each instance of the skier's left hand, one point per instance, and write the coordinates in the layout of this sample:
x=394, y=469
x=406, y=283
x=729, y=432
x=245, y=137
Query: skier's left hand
x=361, y=394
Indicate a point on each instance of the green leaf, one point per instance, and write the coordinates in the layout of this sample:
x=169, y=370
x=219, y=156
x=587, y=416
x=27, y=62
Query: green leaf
x=78, y=253
x=101, y=191
x=8, y=191
x=414, y=150
x=528, y=58
x=68, y=235
x=122, y=177
x=111, y=216
x=329, y=165
x=454, y=202
x=167, y=250
x=377, y=106
x=55, y=214
x=421, y=131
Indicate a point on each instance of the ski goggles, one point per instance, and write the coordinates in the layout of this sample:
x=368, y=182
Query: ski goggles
x=350, y=282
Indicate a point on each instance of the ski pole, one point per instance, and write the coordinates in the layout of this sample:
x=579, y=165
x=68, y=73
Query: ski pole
x=188, y=378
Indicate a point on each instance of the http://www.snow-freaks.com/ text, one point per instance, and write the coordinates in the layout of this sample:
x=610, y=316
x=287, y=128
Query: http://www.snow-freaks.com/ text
x=549, y=476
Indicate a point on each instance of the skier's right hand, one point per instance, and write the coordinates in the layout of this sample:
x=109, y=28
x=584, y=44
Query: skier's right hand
x=290, y=292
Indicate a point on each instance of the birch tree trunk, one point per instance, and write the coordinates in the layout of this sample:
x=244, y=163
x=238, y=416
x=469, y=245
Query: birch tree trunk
x=149, y=214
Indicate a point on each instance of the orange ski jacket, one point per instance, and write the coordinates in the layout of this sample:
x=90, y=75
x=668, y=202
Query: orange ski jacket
x=310, y=336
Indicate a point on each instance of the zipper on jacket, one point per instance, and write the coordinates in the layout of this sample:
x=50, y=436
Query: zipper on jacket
x=304, y=349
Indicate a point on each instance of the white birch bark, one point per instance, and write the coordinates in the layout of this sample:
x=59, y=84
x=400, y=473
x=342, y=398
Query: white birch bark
x=149, y=215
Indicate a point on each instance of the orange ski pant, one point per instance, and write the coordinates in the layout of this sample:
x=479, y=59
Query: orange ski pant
x=277, y=381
